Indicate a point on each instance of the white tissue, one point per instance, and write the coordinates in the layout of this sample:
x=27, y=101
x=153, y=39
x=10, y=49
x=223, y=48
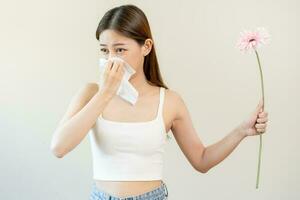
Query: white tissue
x=126, y=91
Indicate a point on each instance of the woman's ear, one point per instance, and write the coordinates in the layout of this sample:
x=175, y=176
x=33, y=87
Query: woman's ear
x=147, y=46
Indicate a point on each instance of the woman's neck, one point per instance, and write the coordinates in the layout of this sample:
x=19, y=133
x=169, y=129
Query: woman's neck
x=140, y=83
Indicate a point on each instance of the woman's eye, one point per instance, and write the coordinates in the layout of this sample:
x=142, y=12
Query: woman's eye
x=121, y=49
x=103, y=50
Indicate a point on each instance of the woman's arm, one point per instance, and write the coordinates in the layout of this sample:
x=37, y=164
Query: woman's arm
x=255, y=124
x=85, y=108
x=81, y=115
x=215, y=153
x=204, y=158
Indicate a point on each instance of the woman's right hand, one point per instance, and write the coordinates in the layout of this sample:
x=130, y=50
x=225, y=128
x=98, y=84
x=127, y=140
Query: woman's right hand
x=113, y=75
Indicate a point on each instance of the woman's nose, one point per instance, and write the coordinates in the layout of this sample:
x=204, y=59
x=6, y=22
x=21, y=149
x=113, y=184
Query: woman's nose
x=111, y=55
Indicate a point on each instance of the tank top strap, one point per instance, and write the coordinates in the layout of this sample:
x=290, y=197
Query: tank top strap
x=161, y=101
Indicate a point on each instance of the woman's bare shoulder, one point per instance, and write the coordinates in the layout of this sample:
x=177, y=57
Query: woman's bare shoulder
x=174, y=102
x=173, y=96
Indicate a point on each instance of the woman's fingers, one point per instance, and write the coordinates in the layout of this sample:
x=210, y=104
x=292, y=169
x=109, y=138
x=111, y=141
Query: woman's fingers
x=262, y=120
x=108, y=67
x=263, y=114
x=115, y=66
x=259, y=130
x=262, y=126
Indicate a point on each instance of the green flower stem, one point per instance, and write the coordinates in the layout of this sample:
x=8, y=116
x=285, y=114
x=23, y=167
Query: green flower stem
x=260, y=136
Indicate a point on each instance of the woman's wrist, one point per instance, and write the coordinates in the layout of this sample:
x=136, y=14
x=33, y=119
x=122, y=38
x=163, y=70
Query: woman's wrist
x=240, y=132
x=106, y=96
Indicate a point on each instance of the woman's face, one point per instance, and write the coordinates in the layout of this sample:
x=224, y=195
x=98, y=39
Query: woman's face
x=114, y=44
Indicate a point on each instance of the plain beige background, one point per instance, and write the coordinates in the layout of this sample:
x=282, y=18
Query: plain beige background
x=48, y=50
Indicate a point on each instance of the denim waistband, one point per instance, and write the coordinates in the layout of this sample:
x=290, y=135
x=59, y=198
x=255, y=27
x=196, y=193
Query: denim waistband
x=159, y=191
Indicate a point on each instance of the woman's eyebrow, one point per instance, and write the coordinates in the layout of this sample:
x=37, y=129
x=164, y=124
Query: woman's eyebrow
x=116, y=44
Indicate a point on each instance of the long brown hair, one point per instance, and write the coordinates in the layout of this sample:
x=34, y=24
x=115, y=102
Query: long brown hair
x=131, y=21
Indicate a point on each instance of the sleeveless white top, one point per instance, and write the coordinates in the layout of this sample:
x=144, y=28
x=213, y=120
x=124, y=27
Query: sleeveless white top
x=129, y=150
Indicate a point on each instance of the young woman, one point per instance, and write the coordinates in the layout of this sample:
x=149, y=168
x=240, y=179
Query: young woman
x=128, y=140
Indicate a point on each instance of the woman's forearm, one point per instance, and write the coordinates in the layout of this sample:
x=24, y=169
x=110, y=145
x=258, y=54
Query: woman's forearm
x=215, y=153
x=68, y=135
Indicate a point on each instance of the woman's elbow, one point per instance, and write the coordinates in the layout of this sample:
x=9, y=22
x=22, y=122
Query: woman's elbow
x=57, y=151
x=201, y=170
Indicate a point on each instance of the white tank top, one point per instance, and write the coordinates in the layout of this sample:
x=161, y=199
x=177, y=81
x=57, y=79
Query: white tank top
x=129, y=150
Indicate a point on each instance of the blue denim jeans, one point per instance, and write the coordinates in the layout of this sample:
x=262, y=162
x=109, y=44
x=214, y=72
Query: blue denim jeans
x=159, y=193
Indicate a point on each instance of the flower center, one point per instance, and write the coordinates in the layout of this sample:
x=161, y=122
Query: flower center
x=251, y=40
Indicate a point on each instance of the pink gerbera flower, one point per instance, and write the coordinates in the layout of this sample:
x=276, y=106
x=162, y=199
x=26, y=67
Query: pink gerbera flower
x=252, y=39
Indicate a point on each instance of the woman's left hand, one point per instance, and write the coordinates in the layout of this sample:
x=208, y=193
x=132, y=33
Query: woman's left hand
x=256, y=124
